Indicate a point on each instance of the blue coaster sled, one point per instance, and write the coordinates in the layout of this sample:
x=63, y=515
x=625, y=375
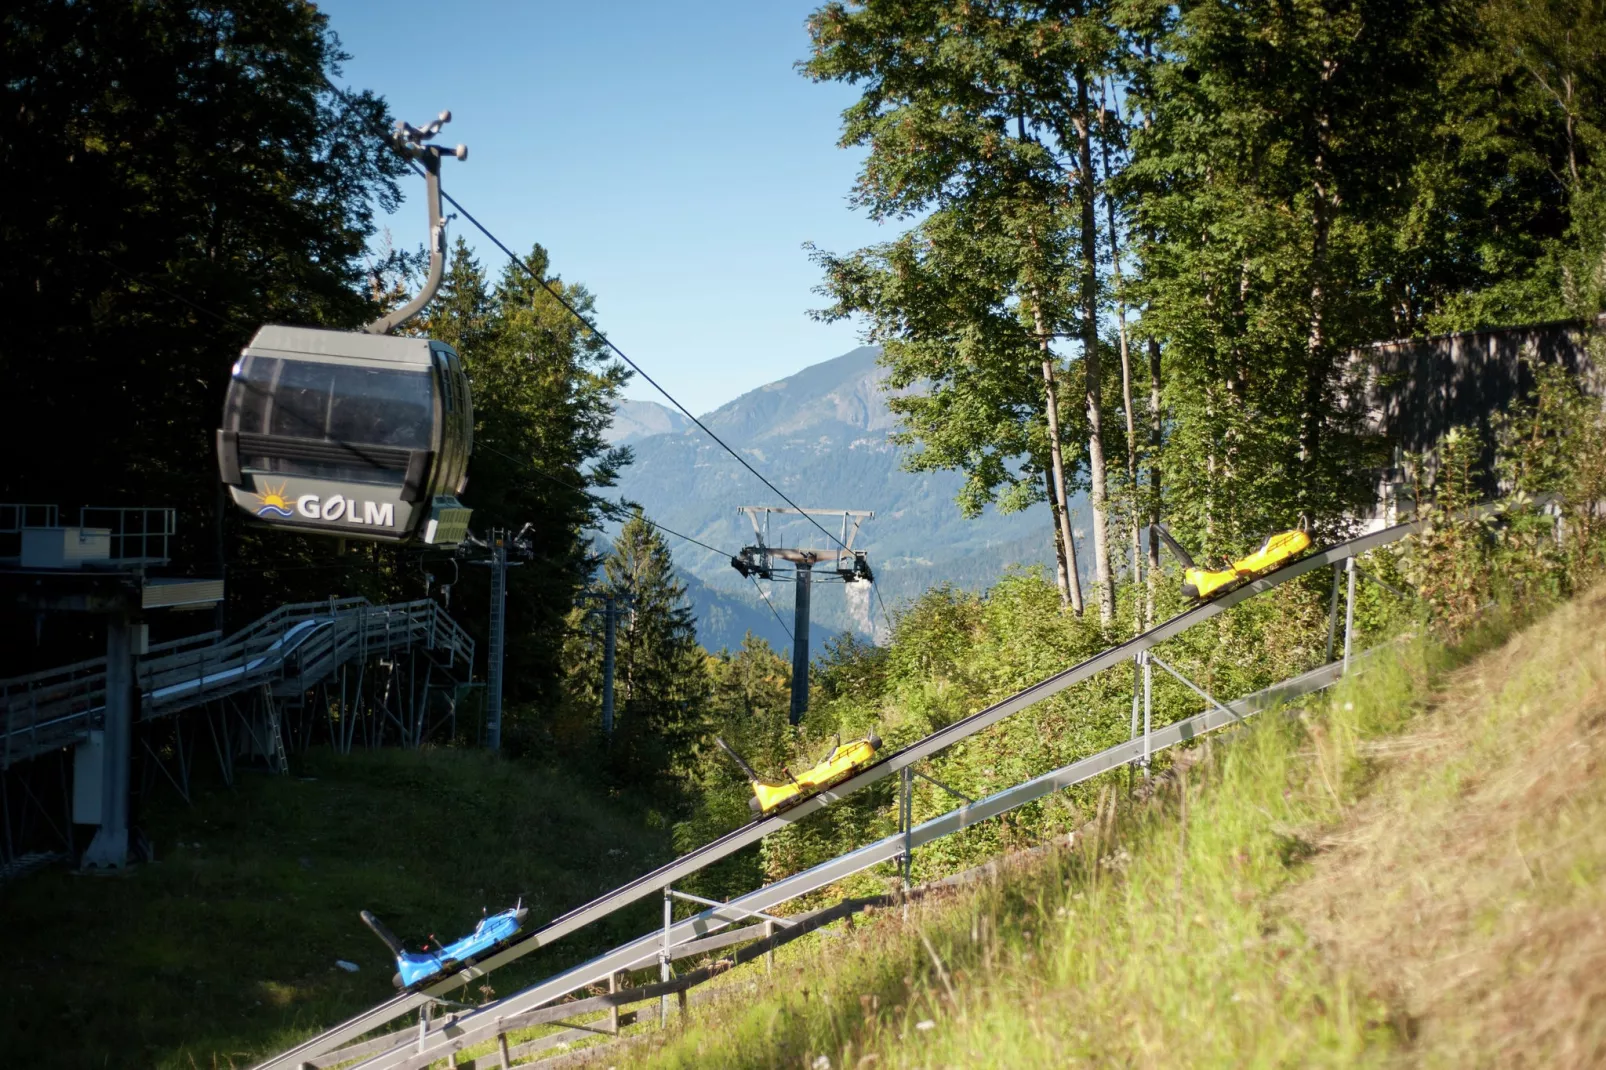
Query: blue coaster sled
x=413, y=967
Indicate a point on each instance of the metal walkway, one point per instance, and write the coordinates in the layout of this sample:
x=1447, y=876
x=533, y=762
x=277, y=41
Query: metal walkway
x=290, y=651
x=418, y=1046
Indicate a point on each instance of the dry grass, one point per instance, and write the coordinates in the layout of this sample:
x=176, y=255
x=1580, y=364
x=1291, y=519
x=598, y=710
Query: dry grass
x=1407, y=875
x=1467, y=885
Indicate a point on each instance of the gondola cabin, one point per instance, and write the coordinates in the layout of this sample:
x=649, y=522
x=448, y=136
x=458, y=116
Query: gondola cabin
x=361, y=436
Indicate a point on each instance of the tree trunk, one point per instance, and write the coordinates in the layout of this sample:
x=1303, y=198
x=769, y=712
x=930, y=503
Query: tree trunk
x=1310, y=422
x=1072, y=587
x=1090, y=356
x=1126, y=383
x=1155, y=431
x=1063, y=574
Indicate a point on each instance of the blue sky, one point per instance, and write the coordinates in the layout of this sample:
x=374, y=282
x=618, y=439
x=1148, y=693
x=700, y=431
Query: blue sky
x=668, y=156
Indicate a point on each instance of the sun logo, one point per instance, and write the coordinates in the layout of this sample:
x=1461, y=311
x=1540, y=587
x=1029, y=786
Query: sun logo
x=273, y=503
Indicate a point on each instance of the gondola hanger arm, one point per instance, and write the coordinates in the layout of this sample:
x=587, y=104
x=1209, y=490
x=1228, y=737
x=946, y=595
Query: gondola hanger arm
x=413, y=142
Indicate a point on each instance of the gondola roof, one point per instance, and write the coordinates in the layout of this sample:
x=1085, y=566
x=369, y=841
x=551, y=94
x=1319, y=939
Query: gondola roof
x=316, y=342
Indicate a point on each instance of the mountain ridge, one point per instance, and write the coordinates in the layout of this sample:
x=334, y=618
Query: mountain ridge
x=820, y=435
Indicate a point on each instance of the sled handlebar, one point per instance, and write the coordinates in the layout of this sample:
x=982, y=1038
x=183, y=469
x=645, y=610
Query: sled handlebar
x=741, y=763
x=380, y=930
x=1171, y=544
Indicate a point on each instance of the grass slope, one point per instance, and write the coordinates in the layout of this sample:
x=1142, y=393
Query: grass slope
x=1408, y=872
x=225, y=948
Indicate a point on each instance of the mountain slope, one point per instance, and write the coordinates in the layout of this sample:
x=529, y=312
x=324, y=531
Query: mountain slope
x=821, y=436
x=636, y=420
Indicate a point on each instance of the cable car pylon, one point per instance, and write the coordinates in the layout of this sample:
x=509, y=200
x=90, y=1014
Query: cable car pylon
x=356, y=435
x=758, y=561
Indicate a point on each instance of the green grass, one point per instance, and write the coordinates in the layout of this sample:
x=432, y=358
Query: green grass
x=225, y=948
x=1409, y=872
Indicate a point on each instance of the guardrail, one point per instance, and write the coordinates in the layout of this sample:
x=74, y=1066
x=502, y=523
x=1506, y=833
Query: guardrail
x=303, y=643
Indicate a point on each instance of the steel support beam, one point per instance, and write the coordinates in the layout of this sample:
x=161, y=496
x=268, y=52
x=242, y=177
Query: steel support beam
x=1349, y=611
x=800, y=643
x=497, y=646
x=610, y=633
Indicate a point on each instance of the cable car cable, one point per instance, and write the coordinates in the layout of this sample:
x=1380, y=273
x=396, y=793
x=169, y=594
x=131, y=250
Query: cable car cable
x=558, y=296
x=876, y=590
x=612, y=508
x=592, y=327
x=773, y=610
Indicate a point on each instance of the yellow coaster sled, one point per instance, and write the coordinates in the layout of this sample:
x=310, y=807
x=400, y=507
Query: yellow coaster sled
x=843, y=759
x=1205, y=584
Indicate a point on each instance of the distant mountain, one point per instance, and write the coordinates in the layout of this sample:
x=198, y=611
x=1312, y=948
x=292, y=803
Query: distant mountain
x=821, y=436
x=636, y=420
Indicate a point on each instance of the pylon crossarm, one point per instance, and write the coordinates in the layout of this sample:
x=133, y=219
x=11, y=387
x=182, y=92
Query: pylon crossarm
x=1191, y=686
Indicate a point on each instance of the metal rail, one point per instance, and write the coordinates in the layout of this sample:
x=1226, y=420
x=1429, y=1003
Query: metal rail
x=479, y=1025
x=295, y=645
x=654, y=882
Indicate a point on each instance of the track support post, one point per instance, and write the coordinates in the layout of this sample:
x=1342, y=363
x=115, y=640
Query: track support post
x=109, y=848
x=1332, y=616
x=613, y=1010
x=1137, y=701
x=1148, y=708
x=906, y=787
x=663, y=955
x=1349, y=612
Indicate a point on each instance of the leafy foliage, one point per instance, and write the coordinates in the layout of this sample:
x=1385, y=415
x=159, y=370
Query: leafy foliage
x=177, y=174
x=1287, y=182
x=1543, y=542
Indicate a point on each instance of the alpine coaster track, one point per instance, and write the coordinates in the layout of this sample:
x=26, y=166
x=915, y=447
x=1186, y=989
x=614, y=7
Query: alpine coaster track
x=415, y=1047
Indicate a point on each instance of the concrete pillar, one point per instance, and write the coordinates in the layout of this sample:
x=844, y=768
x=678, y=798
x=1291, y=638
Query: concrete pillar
x=109, y=848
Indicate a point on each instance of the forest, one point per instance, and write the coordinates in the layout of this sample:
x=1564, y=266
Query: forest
x=1139, y=245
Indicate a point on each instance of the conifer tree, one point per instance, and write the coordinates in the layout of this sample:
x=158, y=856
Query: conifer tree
x=661, y=684
x=176, y=173
x=543, y=392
